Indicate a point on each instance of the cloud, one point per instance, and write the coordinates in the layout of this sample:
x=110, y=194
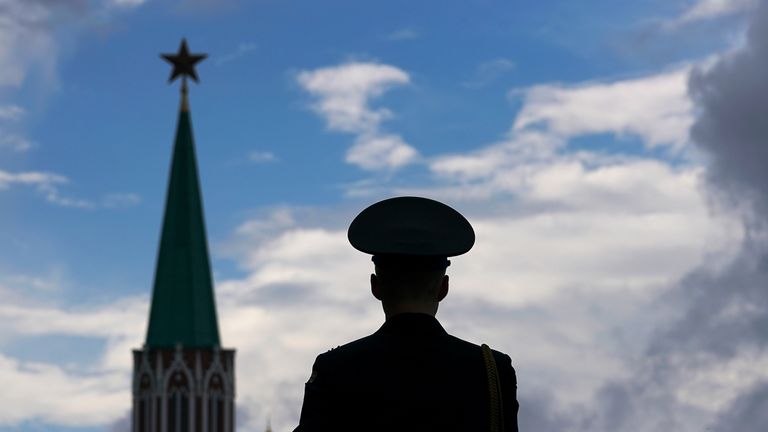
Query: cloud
x=11, y=112
x=403, y=34
x=44, y=391
x=709, y=9
x=242, y=50
x=566, y=273
x=344, y=92
x=33, y=283
x=262, y=157
x=10, y=115
x=127, y=3
x=39, y=179
x=747, y=412
x=705, y=369
x=504, y=292
x=729, y=126
x=14, y=142
x=343, y=95
x=544, y=283
x=30, y=35
x=704, y=335
x=92, y=393
x=48, y=185
x=489, y=71
x=655, y=108
x=26, y=40
x=573, y=246
x=378, y=151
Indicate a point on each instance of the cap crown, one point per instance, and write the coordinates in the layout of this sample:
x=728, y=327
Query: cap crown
x=411, y=226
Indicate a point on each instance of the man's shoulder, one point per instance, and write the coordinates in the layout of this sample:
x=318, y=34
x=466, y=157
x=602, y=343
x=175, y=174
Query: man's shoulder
x=472, y=349
x=356, y=348
x=373, y=345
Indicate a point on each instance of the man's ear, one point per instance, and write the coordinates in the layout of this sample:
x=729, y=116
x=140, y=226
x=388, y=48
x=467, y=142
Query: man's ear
x=376, y=287
x=443, y=291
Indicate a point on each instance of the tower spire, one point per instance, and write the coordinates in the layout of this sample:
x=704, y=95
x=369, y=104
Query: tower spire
x=183, y=309
x=183, y=380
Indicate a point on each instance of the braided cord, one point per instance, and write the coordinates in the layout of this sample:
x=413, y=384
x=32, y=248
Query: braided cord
x=494, y=388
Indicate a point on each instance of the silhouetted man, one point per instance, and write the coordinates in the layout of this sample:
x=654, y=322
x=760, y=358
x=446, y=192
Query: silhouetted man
x=410, y=375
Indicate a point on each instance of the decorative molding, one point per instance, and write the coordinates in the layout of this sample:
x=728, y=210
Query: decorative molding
x=199, y=367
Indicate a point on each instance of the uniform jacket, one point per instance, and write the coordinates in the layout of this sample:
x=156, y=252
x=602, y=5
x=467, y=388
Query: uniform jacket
x=410, y=375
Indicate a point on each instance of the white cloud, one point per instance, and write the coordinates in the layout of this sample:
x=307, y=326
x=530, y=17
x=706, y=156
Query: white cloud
x=655, y=108
x=48, y=184
x=617, y=222
x=39, y=179
x=522, y=149
x=48, y=392
x=94, y=392
x=489, y=71
x=344, y=93
x=374, y=152
x=708, y=9
x=26, y=41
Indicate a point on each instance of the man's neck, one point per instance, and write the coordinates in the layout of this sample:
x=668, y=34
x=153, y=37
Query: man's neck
x=424, y=308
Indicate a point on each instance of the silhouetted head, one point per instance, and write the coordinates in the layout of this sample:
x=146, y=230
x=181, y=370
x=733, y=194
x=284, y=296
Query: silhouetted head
x=410, y=239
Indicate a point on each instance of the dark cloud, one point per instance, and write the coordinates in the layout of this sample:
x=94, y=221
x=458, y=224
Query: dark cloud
x=724, y=313
x=730, y=311
x=540, y=414
x=749, y=413
x=732, y=97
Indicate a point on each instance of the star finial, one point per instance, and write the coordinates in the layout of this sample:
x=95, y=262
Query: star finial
x=183, y=63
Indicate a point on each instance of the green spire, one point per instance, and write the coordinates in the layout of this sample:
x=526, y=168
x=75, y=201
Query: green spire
x=183, y=308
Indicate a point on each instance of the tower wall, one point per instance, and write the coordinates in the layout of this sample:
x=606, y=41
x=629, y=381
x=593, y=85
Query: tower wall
x=183, y=390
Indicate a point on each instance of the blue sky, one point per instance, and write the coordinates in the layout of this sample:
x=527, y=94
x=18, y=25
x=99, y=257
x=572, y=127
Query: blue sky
x=561, y=129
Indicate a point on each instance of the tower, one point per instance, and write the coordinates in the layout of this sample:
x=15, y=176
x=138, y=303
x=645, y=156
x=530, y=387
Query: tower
x=183, y=380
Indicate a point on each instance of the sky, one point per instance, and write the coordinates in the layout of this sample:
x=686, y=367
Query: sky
x=610, y=156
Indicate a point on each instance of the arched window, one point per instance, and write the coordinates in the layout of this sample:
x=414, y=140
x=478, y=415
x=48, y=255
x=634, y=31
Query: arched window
x=216, y=404
x=145, y=403
x=178, y=403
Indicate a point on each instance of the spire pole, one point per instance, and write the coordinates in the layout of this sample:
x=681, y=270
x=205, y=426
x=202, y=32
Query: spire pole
x=184, y=94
